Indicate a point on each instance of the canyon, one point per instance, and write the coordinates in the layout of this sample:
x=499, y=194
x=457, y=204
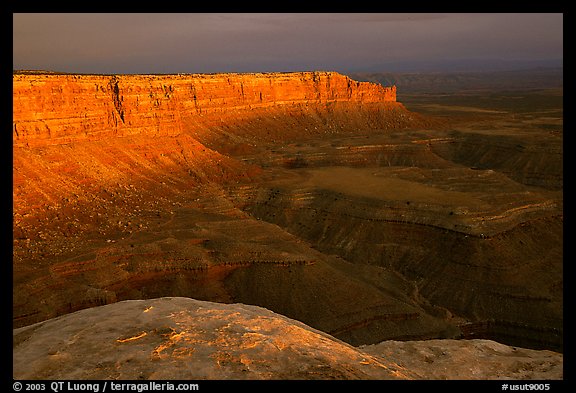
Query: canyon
x=312, y=195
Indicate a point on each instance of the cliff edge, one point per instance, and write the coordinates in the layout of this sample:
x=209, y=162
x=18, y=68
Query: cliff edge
x=182, y=338
x=60, y=108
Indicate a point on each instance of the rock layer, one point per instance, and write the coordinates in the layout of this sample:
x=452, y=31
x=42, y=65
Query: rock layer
x=469, y=239
x=51, y=108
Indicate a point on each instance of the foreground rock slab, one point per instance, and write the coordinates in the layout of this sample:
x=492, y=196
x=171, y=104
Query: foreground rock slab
x=182, y=338
x=470, y=359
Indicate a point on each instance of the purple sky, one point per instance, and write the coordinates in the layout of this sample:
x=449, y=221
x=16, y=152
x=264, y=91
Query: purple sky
x=259, y=42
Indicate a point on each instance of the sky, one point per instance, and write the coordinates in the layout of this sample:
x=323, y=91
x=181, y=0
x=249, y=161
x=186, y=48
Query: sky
x=272, y=42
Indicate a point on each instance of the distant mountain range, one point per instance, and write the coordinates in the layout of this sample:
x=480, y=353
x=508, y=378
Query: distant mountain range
x=458, y=65
x=446, y=82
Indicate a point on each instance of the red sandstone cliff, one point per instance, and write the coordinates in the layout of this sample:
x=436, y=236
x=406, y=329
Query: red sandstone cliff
x=54, y=109
x=102, y=157
x=171, y=126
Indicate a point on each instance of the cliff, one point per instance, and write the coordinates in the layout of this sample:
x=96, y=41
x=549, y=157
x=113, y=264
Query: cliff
x=76, y=136
x=54, y=109
x=182, y=338
x=99, y=159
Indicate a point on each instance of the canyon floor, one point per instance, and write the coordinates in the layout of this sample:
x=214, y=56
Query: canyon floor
x=448, y=229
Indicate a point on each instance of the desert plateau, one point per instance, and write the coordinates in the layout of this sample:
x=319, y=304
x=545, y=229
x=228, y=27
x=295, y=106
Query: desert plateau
x=287, y=225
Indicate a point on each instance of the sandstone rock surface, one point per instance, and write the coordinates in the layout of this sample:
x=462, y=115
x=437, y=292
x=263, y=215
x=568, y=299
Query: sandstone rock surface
x=183, y=338
x=54, y=109
x=469, y=359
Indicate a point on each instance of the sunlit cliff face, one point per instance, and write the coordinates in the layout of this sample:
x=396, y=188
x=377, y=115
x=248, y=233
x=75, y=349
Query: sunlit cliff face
x=62, y=108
